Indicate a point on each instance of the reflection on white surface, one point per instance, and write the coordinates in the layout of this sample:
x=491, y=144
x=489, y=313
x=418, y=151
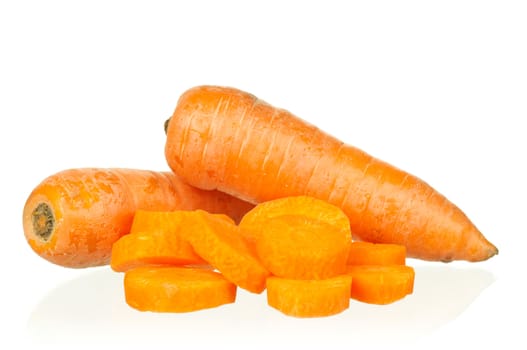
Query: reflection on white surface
x=91, y=310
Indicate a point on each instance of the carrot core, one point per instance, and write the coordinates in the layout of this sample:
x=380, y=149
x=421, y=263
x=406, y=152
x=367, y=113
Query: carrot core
x=43, y=221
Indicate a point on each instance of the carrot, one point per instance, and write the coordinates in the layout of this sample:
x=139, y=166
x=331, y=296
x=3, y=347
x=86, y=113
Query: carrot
x=176, y=289
x=226, y=139
x=162, y=221
x=366, y=253
x=296, y=246
x=154, y=239
x=309, y=298
x=140, y=249
x=73, y=217
x=220, y=243
x=376, y=284
x=255, y=220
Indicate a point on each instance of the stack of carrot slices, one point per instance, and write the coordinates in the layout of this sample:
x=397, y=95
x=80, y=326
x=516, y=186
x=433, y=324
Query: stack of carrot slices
x=298, y=249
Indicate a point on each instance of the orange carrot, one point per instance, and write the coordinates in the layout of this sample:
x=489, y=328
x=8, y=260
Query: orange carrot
x=158, y=242
x=162, y=221
x=366, y=253
x=376, y=284
x=296, y=246
x=220, y=243
x=73, y=217
x=176, y=289
x=255, y=220
x=309, y=298
x=155, y=239
x=226, y=139
x=140, y=249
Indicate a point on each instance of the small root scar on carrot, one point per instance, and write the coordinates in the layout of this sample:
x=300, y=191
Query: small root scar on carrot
x=43, y=221
x=165, y=125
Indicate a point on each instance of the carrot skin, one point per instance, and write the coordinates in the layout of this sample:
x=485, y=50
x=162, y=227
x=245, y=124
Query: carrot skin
x=226, y=139
x=73, y=217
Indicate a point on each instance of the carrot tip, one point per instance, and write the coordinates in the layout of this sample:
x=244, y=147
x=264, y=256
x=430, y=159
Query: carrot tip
x=482, y=249
x=492, y=251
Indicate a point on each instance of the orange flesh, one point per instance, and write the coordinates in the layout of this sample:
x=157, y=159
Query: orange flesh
x=255, y=220
x=294, y=246
x=176, y=289
x=365, y=253
x=381, y=284
x=309, y=298
x=220, y=243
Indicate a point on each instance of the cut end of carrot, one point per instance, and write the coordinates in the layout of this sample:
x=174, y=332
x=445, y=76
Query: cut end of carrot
x=255, y=220
x=176, y=289
x=295, y=246
x=309, y=298
x=40, y=221
x=43, y=221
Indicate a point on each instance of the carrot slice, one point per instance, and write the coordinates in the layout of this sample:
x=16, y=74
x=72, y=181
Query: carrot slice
x=162, y=221
x=309, y=298
x=220, y=243
x=294, y=246
x=255, y=220
x=146, y=248
x=176, y=289
x=366, y=253
x=375, y=284
x=155, y=239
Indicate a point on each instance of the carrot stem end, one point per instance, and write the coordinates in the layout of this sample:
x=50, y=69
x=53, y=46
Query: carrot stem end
x=43, y=221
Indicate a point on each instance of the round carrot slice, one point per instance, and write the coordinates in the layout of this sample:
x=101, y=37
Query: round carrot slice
x=176, y=289
x=162, y=221
x=366, y=253
x=146, y=248
x=375, y=284
x=255, y=220
x=309, y=298
x=155, y=239
x=220, y=243
x=300, y=247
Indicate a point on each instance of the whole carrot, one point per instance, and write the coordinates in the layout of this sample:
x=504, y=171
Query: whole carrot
x=226, y=139
x=72, y=218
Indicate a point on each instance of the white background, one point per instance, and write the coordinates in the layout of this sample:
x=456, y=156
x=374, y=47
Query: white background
x=437, y=88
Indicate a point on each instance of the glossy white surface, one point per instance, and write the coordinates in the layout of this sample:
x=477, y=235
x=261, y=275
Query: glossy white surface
x=438, y=90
